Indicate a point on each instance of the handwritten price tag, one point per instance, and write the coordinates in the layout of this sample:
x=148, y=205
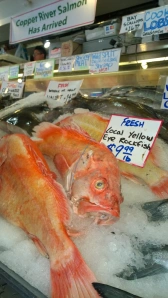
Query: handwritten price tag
x=130, y=138
x=105, y=61
x=66, y=64
x=13, y=88
x=63, y=91
x=132, y=22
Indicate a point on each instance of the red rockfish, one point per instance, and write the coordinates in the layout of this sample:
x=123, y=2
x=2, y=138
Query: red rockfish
x=89, y=170
x=151, y=174
x=31, y=199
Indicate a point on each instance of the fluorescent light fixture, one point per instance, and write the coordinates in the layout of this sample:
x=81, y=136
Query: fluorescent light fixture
x=47, y=44
x=144, y=65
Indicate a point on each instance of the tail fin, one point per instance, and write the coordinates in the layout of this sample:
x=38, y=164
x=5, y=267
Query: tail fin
x=71, y=278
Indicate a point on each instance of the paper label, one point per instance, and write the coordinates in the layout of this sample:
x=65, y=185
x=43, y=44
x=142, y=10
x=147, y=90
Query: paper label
x=66, y=63
x=132, y=22
x=155, y=21
x=130, y=139
x=105, y=61
x=15, y=89
x=13, y=72
x=164, y=104
x=63, y=91
x=82, y=62
x=29, y=69
x=44, y=69
x=4, y=73
x=110, y=29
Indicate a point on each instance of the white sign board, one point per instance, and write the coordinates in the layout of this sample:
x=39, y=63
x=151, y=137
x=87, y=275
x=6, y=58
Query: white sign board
x=44, y=69
x=29, y=69
x=66, y=63
x=131, y=138
x=15, y=89
x=4, y=72
x=13, y=72
x=55, y=53
x=164, y=104
x=63, y=91
x=155, y=21
x=56, y=17
x=82, y=62
x=132, y=22
x=105, y=61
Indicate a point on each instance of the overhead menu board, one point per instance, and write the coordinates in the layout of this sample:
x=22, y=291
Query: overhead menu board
x=58, y=16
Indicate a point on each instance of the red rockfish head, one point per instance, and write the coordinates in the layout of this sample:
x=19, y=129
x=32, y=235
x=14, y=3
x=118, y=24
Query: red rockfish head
x=96, y=186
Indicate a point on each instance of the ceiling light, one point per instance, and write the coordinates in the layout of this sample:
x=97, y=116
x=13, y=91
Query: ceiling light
x=47, y=44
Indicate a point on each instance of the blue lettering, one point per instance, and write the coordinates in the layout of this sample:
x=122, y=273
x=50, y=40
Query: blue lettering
x=119, y=149
x=154, y=15
x=148, y=12
x=164, y=94
x=165, y=12
x=127, y=158
x=161, y=23
x=111, y=147
x=141, y=124
x=153, y=25
x=166, y=104
x=160, y=14
x=146, y=28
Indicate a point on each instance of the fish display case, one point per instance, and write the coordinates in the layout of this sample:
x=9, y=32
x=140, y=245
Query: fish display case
x=138, y=91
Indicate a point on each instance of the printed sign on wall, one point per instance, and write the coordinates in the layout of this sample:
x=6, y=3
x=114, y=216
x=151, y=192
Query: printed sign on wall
x=13, y=72
x=58, y=16
x=130, y=138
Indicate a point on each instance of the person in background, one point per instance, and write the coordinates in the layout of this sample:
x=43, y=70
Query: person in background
x=39, y=53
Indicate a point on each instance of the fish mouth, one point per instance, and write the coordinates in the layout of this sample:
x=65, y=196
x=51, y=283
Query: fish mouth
x=102, y=215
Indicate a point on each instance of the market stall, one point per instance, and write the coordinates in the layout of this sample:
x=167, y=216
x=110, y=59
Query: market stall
x=84, y=168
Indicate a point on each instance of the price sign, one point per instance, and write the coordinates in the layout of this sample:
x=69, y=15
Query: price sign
x=105, y=61
x=44, y=69
x=13, y=72
x=164, y=104
x=132, y=22
x=13, y=88
x=63, y=91
x=155, y=21
x=4, y=72
x=29, y=69
x=82, y=62
x=130, y=139
x=66, y=63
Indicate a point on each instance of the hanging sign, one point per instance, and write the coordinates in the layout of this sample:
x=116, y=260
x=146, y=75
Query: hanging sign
x=130, y=139
x=13, y=72
x=66, y=63
x=15, y=89
x=132, y=22
x=155, y=21
x=55, y=53
x=63, y=91
x=105, y=61
x=82, y=62
x=58, y=16
x=4, y=73
x=44, y=69
x=164, y=104
x=29, y=69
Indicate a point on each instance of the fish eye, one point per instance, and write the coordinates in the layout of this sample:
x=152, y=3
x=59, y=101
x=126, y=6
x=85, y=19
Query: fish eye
x=100, y=184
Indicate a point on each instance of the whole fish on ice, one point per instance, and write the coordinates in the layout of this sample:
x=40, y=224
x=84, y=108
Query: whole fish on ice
x=151, y=174
x=90, y=172
x=31, y=199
